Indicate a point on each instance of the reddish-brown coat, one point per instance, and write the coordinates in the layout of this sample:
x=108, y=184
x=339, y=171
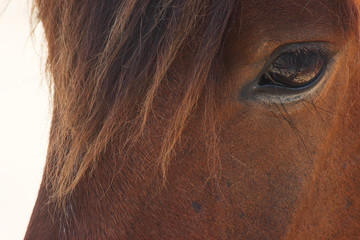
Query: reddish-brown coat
x=285, y=171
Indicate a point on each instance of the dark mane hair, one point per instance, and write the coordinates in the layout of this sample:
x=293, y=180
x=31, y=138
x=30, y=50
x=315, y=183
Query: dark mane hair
x=110, y=61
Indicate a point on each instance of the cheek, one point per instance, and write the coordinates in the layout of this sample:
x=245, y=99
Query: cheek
x=261, y=139
x=272, y=134
x=268, y=152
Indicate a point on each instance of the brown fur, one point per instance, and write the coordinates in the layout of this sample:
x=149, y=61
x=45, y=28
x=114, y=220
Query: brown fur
x=149, y=139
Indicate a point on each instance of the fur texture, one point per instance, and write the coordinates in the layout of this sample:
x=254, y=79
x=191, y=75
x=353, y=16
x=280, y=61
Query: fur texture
x=149, y=139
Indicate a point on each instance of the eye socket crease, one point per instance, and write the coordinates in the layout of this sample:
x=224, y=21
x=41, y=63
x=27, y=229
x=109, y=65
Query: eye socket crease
x=291, y=73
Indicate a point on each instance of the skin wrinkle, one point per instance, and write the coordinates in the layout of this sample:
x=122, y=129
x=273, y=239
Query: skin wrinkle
x=150, y=138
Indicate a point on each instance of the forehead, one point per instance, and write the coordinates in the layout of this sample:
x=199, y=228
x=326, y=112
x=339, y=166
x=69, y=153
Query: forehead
x=262, y=23
x=295, y=13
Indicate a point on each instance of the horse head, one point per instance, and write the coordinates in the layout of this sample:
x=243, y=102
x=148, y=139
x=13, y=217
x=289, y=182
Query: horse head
x=201, y=120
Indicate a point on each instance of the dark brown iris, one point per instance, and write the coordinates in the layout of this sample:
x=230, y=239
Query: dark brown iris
x=295, y=69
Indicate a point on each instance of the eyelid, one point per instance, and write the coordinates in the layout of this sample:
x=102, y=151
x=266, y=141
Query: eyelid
x=317, y=47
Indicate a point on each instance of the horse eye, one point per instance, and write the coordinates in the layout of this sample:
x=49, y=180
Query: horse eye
x=295, y=69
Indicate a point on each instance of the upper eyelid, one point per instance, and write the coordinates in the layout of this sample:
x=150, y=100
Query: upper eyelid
x=319, y=47
x=307, y=53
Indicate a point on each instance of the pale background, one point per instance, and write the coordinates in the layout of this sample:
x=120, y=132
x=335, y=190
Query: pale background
x=24, y=117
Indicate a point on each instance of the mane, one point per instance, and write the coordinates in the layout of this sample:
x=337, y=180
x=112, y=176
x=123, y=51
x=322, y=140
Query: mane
x=111, y=64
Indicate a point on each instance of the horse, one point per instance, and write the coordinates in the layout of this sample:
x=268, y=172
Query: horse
x=189, y=119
